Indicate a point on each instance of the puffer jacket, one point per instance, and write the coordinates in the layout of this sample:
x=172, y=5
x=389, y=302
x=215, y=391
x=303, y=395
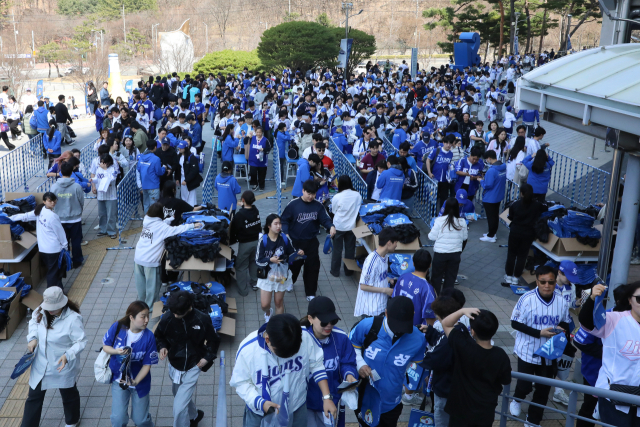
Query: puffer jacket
x=448, y=239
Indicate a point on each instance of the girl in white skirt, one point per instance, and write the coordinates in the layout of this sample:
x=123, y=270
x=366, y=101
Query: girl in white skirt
x=274, y=249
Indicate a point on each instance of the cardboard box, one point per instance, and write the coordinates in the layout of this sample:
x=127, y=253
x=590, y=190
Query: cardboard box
x=219, y=264
x=565, y=246
x=10, y=249
x=30, y=268
x=362, y=232
x=351, y=263
x=18, y=310
x=13, y=196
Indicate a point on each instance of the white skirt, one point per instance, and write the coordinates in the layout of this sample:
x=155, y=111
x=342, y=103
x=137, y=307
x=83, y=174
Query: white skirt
x=188, y=196
x=269, y=286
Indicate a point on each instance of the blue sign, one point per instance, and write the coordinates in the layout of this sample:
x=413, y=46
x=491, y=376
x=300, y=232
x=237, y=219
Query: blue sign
x=128, y=87
x=345, y=52
x=414, y=62
x=39, y=89
x=421, y=418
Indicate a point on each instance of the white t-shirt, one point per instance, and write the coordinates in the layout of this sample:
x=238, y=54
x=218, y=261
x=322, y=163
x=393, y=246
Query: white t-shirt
x=309, y=150
x=345, y=206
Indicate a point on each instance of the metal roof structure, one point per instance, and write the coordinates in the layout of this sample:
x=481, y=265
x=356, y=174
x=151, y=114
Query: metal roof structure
x=588, y=91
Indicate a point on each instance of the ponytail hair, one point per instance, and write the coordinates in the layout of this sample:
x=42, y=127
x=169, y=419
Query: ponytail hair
x=52, y=129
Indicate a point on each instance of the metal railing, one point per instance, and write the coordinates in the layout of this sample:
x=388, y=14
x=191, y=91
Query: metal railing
x=221, y=414
x=576, y=181
x=18, y=166
x=210, y=177
x=571, y=412
x=128, y=196
x=344, y=167
x=277, y=175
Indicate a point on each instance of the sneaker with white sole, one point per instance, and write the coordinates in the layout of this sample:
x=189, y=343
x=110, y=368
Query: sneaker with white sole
x=506, y=281
x=488, y=239
x=97, y=227
x=514, y=408
x=413, y=399
x=515, y=280
x=530, y=424
x=309, y=298
x=267, y=317
x=635, y=261
x=561, y=397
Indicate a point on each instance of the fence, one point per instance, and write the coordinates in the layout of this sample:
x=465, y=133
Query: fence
x=221, y=414
x=128, y=196
x=210, y=177
x=576, y=181
x=571, y=411
x=20, y=165
x=277, y=175
x=344, y=167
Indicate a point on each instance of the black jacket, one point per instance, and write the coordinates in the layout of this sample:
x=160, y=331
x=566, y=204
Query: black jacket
x=169, y=158
x=156, y=93
x=245, y=225
x=439, y=359
x=523, y=218
x=192, y=172
x=188, y=339
x=371, y=182
x=62, y=114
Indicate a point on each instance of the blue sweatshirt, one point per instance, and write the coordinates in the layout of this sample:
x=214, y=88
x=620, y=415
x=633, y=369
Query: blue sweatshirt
x=303, y=174
x=494, y=183
x=539, y=182
x=195, y=132
x=228, y=146
x=399, y=136
x=150, y=169
x=253, y=152
x=391, y=181
x=41, y=118
x=341, y=142
x=302, y=220
x=53, y=143
x=227, y=188
x=282, y=139
x=339, y=361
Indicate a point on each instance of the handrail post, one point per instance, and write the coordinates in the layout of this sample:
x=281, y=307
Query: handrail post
x=593, y=150
x=505, y=405
x=571, y=409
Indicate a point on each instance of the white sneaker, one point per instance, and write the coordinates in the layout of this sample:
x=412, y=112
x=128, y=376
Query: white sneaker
x=267, y=317
x=561, y=397
x=635, y=261
x=507, y=279
x=411, y=399
x=310, y=298
x=528, y=424
x=97, y=227
x=514, y=408
x=485, y=235
x=488, y=239
x=515, y=280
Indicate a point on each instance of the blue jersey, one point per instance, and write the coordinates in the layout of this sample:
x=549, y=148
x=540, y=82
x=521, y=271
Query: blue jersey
x=440, y=167
x=420, y=292
x=463, y=165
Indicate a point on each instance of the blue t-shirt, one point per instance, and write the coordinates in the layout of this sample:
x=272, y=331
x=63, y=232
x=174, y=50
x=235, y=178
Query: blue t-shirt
x=440, y=167
x=420, y=292
x=143, y=352
x=463, y=165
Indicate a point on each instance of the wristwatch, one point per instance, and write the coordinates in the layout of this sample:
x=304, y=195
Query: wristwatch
x=326, y=397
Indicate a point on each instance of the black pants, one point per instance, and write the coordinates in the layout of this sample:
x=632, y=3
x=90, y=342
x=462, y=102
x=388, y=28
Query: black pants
x=587, y=408
x=73, y=231
x=33, y=406
x=5, y=139
x=493, y=217
x=387, y=419
x=349, y=240
x=54, y=274
x=445, y=265
x=257, y=176
x=311, y=264
x=443, y=194
x=13, y=125
x=52, y=158
x=541, y=392
x=610, y=415
x=517, y=254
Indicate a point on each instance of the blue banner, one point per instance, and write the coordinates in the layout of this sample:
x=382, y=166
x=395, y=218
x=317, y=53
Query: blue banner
x=345, y=52
x=39, y=89
x=414, y=62
x=86, y=102
x=128, y=87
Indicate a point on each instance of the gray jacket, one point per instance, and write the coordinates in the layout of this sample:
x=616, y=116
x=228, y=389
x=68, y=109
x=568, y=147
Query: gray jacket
x=70, y=199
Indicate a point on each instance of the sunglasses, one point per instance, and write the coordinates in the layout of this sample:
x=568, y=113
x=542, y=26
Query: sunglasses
x=333, y=323
x=547, y=282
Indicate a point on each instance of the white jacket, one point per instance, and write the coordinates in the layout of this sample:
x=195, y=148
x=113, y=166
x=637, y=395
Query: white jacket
x=448, y=239
x=65, y=337
x=51, y=236
x=254, y=359
x=151, y=243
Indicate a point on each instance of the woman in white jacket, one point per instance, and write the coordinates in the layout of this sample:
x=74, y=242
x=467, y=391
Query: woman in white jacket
x=149, y=251
x=57, y=336
x=51, y=236
x=449, y=233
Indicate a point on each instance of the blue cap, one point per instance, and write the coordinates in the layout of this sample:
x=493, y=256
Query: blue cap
x=570, y=269
x=328, y=245
x=182, y=144
x=323, y=110
x=461, y=194
x=553, y=348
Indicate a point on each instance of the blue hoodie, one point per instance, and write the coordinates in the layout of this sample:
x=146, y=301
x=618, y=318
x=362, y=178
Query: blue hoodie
x=195, y=132
x=150, y=169
x=391, y=181
x=399, y=136
x=41, y=118
x=227, y=187
x=494, y=183
x=341, y=142
x=303, y=174
x=53, y=144
x=539, y=182
x=228, y=146
x=282, y=139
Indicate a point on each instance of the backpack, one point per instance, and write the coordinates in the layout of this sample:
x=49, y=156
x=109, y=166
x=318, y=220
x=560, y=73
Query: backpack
x=33, y=122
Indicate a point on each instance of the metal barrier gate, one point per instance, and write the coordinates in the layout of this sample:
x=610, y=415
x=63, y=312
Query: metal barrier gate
x=21, y=164
x=346, y=168
x=128, y=196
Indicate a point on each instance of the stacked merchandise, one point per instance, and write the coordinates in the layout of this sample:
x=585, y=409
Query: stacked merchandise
x=569, y=223
x=6, y=297
x=201, y=244
x=210, y=298
x=586, y=272
x=14, y=207
x=389, y=213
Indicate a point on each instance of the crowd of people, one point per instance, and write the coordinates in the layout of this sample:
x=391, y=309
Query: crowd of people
x=305, y=372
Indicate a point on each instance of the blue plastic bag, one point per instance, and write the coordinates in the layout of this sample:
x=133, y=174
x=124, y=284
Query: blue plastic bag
x=400, y=264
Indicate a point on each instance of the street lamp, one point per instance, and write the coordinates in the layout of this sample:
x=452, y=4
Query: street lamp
x=206, y=35
x=154, y=40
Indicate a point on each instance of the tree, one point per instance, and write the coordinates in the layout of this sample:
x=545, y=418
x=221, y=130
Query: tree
x=227, y=61
x=289, y=17
x=363, y=47
x=77, y=7
x=112, y=9
x=221, y=9
x=51, y=53
x=324, y=20
x=298, y=44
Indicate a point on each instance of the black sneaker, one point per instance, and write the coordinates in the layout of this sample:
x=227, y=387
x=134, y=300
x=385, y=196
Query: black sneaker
x=101, y=234
x=199, y=418
x=71, y=142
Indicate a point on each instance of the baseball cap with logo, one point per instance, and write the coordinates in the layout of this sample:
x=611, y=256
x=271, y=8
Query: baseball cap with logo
x=569, y=269
x=323, y=308
x=182, y=144
x=461, y=195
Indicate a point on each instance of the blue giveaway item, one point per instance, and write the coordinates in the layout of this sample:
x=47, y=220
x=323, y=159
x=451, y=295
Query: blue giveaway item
x=328, y=245
x=64, y=260
x=23, y=364
x=384, y=203
x=400, y=264
x=216, y=316
x=553, y=348
x=29, y=199
x=217, y=289
x=599, y=315
x=6, y=295
x=295, y=257
x=419, y=418
x=519, y=290
x=201, y=218
x=415, y=376
x=396, y=219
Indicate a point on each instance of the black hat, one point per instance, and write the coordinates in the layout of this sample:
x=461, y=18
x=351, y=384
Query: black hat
x=323, y=308
x=400, y=315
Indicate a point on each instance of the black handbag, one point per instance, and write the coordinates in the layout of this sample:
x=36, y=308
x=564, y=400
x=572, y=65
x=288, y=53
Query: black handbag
x=626, y=389
x=263, y=272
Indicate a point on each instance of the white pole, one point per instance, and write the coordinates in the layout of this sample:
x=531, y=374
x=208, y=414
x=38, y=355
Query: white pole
x=206, y=35
x=15, y=34
x=124, y=25
x=33, y=49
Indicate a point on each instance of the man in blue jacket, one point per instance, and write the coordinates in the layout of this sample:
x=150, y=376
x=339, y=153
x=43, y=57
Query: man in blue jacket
x=493, y=192
x=391, y=180
x=227, y=188
x=382, y=363
x=195, y=132
x=150, y=170
x=305, y=166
